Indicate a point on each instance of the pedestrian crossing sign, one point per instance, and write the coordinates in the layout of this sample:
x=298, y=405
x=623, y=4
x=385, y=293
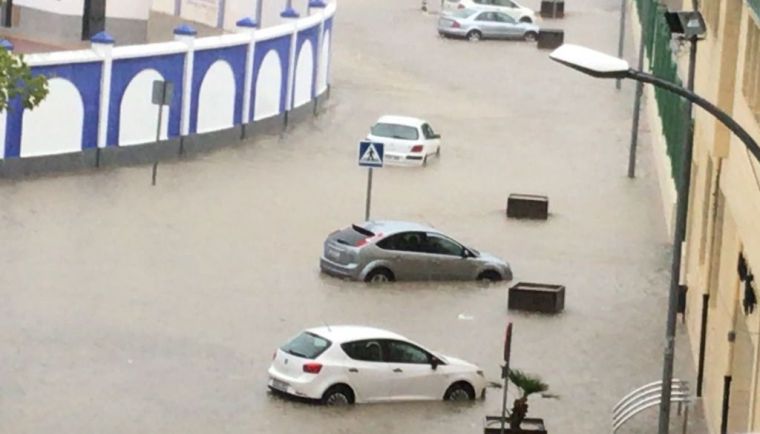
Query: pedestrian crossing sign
x=371, y=154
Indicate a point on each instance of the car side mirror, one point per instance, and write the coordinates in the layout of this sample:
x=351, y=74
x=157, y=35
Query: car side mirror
x=436, y=136
x=434, y=362
x=466, y=254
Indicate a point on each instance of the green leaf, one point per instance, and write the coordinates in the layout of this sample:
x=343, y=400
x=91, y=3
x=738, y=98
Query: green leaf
x=528, y=384
x=17, y=80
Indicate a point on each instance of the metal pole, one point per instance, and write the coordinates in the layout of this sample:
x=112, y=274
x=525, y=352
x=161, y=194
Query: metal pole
x=685, y=419
x=259, y=4
x=621, y=40
x=369, y=194
x=682, y=205
x=724, y=408
x=158, y=130
x=702, y=343
x=639, y=88
x=504, y=398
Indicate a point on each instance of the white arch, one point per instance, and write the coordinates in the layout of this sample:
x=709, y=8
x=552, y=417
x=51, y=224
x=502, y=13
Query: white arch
x=139, y=116
x=268, y=87
x=55, y=126
x=324, y=63
x=304, y=75
x=216, y=99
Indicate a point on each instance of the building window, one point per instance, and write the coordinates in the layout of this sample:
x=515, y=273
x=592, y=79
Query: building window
x=751, y=73
x=711, y=14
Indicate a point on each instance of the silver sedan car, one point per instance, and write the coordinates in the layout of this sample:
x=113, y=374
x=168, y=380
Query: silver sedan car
x=476, y=25
x=384, y=251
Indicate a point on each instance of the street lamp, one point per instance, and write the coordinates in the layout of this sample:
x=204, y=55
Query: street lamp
x=601, y=65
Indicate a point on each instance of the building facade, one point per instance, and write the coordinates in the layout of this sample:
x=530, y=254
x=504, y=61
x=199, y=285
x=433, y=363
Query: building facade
x=722, y=249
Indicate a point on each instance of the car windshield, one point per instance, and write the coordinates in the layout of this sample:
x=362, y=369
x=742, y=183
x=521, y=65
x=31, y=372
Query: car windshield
x=395, y=131
x=306, y=345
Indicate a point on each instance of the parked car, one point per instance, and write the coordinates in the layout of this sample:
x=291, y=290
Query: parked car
x=339, y=365
x=384, y=251
x=476, y=25
x=407, y=140
x=515, y=10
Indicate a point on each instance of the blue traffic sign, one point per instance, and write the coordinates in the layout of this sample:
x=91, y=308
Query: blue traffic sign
x=371, y=154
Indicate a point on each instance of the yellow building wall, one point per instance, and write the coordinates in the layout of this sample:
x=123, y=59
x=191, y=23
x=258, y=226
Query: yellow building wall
x=713, y=269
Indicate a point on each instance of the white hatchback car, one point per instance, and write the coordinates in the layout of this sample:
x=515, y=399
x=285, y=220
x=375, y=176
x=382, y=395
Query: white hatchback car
x=408, y=141
x=339, y=365
x=517, y=11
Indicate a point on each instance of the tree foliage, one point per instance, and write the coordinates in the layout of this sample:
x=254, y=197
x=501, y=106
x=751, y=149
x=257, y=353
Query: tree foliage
x=528, y=385
x=16, y=80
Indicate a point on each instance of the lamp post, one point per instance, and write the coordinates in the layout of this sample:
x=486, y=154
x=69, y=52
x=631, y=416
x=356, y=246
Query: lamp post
x=601, y=65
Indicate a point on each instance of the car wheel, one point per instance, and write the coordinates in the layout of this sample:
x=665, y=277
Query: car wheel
x=338, y=395
x=489, y=276
x=379, y=275
x=460, y=391
x=474, y=35
x=530, y=36
x=526, y=20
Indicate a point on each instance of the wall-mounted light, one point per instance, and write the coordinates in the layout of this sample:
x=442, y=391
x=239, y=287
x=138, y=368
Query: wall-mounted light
x=688, y=24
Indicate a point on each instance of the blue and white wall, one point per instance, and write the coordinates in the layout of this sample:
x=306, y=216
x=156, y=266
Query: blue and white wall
x=101, y=97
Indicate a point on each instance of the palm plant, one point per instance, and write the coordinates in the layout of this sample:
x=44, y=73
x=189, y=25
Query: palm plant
x=528, y=385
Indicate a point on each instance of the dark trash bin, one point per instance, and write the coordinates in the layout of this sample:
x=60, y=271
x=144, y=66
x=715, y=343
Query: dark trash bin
x=528, y=206
x=550, y=38
x=552, y=9
x=537, y=297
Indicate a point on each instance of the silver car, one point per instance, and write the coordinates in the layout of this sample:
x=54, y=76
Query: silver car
x=476, y=25
x=384, y=251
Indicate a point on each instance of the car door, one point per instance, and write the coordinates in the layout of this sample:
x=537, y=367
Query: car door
x=368, y=373
x=485, y=23
x=404, y=251
x=450, y=262
x=507, y=7
x=432, y=139
x=413, y=376
x=508, y=27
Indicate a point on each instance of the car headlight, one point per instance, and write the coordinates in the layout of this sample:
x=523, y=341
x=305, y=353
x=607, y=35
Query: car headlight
x=480, y=372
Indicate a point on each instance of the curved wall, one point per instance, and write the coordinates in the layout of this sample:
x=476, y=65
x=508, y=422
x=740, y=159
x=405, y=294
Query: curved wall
x=102, y=97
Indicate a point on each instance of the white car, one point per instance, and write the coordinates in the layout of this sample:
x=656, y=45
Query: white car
x=408, y=141
x=340, y=365
x=517, y=11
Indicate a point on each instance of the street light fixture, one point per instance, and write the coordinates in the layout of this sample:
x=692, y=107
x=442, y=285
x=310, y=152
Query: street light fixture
x=602, y=65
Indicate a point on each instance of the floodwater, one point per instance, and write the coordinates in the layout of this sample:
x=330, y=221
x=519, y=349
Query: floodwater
x=130, y=308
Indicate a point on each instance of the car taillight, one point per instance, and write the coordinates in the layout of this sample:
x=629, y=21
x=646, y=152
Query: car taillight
x=368, y=239
x=417, y=148
x=455, y=24
x=312, y=368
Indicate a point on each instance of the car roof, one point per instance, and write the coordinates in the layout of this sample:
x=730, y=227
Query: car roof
x=346, y=333
x=388, y=227
x=402, y=120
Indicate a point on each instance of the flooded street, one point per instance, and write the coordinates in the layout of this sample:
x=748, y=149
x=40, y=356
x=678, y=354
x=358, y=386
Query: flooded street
x=129, y=308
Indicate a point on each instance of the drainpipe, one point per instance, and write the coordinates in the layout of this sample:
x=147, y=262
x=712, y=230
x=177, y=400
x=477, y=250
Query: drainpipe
x=702, y=343
x=724, y=411
x=710, y=273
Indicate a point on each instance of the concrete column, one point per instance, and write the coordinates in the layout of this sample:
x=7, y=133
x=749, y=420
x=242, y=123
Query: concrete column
x=318, y=6
x=248, y=25
x=186, y=34
x=289, y=15
x=102, y=45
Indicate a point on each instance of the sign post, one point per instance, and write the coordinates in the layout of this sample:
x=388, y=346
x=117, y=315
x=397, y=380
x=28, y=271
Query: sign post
x=162, y=96
x=505, y=375
x=370, y=155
